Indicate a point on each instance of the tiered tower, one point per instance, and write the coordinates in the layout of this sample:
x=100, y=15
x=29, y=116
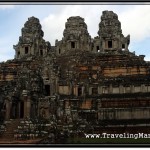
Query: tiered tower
x=76, y=36
x=110, y=34
x=31, y=41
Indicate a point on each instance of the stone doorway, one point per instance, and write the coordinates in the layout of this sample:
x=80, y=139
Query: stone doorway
x=17, y=110
x=21, y=113
x=47, y=90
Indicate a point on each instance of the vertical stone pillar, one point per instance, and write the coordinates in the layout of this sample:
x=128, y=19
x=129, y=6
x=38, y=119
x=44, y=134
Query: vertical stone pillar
x=27, y=106
x=76, y=90
x=126, y=47
x=27, y=103
x=90, y=91
x=115, y=44
x=132, y=88
x=121, y=88
x=56, y=85
x=68, y=45
x=83, y=90
x=77, y=45
x=99, y=89
x=51, y=87
x=103, y=45
x=19, y=110
x=70, y=89
x=8, y=107
x=143, y=89
x=110, y=89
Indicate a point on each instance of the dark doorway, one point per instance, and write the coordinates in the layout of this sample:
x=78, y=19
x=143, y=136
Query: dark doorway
x=47, y=90
x=21, y=109
x=123, y=46
x=18, y=53
x=109, y=44
x=17, y=110
x=26, y=50
x=41, y=52
x=97, y=47
x=72, y=44
x=59, y=51
x=33, y=110
x=79, y=91
x=13, y=112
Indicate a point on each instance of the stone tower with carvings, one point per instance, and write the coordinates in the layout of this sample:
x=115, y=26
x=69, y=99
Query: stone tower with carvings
x=110, y=32
x=75, y=36
x=31, y=41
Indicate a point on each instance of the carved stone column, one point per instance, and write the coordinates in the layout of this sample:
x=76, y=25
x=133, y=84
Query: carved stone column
x=27, y=104
x=8, y=107
x=28, y=107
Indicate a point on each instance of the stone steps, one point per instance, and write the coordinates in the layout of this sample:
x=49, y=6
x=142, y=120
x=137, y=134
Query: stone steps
x=10, y=127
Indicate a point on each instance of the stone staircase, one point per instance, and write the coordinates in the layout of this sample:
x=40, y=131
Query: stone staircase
x=10, y=127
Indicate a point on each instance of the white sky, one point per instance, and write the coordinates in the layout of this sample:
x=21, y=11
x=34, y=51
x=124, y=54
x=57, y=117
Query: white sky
x=135, y=20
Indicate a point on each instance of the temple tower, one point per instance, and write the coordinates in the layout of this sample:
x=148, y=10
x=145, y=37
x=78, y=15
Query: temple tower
x=31, y=41
x=75, y=35
x=110, y=34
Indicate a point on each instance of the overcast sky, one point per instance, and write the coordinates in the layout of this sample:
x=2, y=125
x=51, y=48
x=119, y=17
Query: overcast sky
x=135, y=20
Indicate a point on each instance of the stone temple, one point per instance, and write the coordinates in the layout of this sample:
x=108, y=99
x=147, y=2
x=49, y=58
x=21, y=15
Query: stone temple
x=81, y=83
